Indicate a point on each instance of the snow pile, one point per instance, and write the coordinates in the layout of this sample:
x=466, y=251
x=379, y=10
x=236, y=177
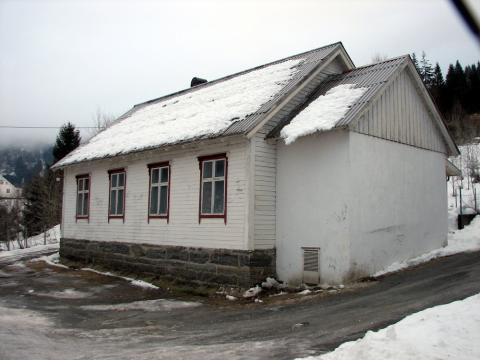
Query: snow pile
x=18, y=254
x=323, y=113
x=270, y=283
x=139, y=283
x=53, y=260
x=465, y=240
x=449, y=331
x=252, y=292
x=206, y=111
x=144, y=305
x=230, y=297
x=52, y=236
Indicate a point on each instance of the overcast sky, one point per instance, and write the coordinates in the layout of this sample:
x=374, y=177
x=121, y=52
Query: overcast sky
x=62, y=60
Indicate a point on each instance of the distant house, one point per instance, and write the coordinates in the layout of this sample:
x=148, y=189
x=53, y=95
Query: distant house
x=10, y=195
x=308, y=169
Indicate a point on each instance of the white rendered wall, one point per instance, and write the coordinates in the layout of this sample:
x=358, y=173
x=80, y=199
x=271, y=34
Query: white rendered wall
x=183, y=228
x=398, y=202
x=312, y=193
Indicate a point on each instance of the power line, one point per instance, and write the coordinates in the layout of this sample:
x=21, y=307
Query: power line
x=46, y=127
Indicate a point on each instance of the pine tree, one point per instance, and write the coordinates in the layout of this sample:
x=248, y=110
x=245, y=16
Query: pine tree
x=426, y=71
x=437, y=87
x=415, y=62
x=68, y=139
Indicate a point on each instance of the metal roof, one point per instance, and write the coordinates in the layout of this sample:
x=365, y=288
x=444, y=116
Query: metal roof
x=372, y=77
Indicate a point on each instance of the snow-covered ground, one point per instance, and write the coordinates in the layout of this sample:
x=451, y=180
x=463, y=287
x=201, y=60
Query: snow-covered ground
x=450, y=331
x=468, y=160
x=465, y=240
x=52, y=237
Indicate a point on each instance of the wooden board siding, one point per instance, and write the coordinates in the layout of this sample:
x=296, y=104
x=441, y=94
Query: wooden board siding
x=183, y=228
x=400, y=114
x=264, y=154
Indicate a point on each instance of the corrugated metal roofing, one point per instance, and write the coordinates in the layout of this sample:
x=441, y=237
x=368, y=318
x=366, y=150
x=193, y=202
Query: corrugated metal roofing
x=372, y=77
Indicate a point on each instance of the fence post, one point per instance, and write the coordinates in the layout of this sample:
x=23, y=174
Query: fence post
x=460, y=194
x=44, y=236
x=7, y=236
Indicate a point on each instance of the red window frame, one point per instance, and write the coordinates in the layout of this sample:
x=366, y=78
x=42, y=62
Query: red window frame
x=150, y=168
x=83, y=217
x=201, y=160
x=110, y=173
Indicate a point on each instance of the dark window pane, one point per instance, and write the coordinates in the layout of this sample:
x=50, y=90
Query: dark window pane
x=121, y=179
x=113, y=202
x=164, y=177
x=163, y=199
x=219, y=195
x=114, y=180
x=207, y=198
x=207, y=169
x=79, y=204
x=219, y=168
x=85, y=204
x=120, y=202
x=154, y=176
x=86, y=184
x=154, y=201
x=80, y=184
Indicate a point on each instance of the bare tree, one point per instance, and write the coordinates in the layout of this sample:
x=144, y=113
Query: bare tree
x=379, y=58
x=101, y=121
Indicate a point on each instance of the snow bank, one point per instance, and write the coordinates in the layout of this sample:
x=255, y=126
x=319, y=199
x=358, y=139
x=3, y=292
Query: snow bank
x=449, y=331
x=323, y=113
x=144, y=305
x=206, y=111
x=52, y=236
x=465, y=240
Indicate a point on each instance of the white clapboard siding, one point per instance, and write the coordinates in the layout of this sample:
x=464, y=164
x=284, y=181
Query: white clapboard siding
x=400, y=114
x=183, y=228
x=265, y=163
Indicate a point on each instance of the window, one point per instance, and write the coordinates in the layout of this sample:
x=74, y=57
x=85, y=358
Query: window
x=159, y=192
x=83, y=196
x=8, y=191
x=116, y=205
x=213, y=175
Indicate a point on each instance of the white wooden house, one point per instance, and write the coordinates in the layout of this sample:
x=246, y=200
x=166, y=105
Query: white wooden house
x=10, y=195
x=307, y=168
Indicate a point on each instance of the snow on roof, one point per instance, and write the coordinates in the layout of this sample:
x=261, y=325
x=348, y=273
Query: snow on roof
x=323, y=113
x=208, y=110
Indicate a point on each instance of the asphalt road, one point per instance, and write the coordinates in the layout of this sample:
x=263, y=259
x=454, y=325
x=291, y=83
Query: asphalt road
x=51, y=313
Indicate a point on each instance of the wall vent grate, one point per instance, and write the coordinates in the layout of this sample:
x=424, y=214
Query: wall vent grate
x=311, y=265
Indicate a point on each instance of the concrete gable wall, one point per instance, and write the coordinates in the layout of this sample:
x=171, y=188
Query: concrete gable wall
x=400, y=114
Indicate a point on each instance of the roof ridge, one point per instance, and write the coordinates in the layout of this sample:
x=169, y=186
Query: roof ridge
x=227, y=77
x=380, y=62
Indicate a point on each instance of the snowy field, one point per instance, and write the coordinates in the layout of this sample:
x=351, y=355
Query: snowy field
x=449, y=331
x=52, y=237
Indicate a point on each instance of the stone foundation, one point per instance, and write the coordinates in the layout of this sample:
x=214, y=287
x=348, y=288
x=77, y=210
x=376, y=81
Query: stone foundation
x=241, y=268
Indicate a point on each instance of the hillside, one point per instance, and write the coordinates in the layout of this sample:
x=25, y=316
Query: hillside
x=20, y=164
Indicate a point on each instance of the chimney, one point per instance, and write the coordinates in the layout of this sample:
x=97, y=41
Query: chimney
x=197, y=81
